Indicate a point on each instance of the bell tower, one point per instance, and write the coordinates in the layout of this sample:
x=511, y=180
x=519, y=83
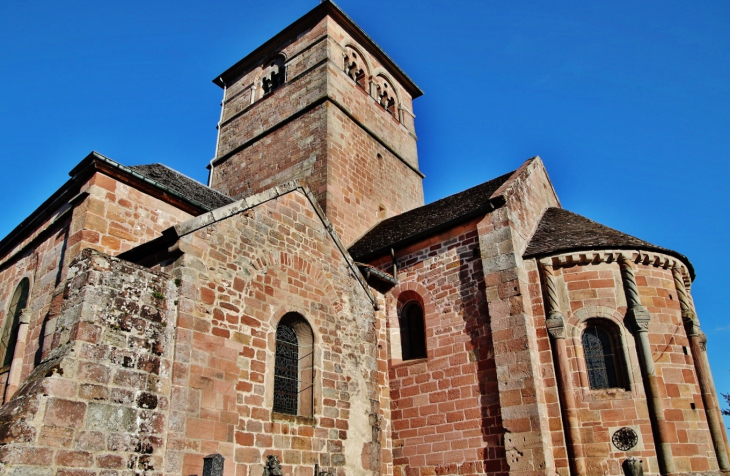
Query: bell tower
x=320, y=102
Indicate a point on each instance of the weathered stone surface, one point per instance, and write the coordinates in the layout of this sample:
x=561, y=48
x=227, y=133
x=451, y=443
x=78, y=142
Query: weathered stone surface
x=73, y=403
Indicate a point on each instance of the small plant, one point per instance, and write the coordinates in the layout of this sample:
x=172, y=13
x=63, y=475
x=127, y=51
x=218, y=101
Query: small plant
x=178, y=282
x=158, y=295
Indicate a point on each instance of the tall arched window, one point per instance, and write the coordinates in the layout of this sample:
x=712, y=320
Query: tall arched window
x=601, y=358
x=12, y=322
x=293, y=366
x=412, y=331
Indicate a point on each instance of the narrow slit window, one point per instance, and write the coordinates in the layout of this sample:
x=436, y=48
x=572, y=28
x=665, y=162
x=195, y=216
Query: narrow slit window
x=12, y=322
x=412, y=331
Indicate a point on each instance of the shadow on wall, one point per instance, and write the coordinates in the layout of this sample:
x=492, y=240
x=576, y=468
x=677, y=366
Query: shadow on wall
x=477, y=325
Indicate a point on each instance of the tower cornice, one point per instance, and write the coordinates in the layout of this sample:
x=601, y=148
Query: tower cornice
x=311, y=18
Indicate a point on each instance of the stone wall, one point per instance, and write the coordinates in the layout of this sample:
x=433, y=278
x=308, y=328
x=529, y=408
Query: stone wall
x=445, y=408
x=99, y=402
x=503, y=236
x=242, y=269
x=595, y=291
x=108, y=216
x=41, y=262
x=115, y=217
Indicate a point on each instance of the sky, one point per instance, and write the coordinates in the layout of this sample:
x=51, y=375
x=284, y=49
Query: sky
x=627, y=103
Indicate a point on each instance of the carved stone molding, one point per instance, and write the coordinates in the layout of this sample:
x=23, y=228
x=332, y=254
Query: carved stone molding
x=649, y=258
x=555, y=322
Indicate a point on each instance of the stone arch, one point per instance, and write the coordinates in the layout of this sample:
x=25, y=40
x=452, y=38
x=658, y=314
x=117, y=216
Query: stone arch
x=17, y=306
x=304, y=376
x=273, y=264
x=314, y=275
x=577, y=323
x=387, y=95
x=403, y=294
x=273, y=73
x=357, y=66
x=14, y=334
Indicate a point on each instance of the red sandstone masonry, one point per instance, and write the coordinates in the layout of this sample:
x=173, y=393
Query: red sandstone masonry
x=347, y=148
x=100, y=400
x=238, y=276
x=503, y=236
x=112, y=218
x=445, y=409
x=115, y=217
x=595, y=291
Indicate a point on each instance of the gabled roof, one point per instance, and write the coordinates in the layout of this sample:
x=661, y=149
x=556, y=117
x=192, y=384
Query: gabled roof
x=561, y=231
x=156, y=179
x=311, y=18
x=184, y=185
x=429, y=219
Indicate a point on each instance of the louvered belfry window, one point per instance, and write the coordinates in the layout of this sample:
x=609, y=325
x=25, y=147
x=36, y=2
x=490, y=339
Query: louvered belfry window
x=600, y=358
x=293, y=369
x=12, y=322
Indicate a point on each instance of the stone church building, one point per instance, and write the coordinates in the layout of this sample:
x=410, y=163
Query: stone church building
x=306, y=314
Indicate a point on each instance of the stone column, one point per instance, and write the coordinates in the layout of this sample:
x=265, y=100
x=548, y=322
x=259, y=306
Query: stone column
x=16, y=366
x=556, y=328
x=639, y=318
x=697, y=344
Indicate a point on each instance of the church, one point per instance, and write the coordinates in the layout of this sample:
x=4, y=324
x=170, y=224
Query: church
x=306, y=314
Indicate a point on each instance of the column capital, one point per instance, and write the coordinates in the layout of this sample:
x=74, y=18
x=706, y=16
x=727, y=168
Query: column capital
x=25, y=316
x=555, y=324
x=639, y=318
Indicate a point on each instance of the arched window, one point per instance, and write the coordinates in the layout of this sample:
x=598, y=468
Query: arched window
x=12, y=322
x=412, y=331
x=386, y=96
x=274, y=74
x=355, y=67
x=602, y=362
x=293, y=366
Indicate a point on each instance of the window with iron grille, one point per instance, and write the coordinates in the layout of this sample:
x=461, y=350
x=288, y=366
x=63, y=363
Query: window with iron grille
x=12, y=322
x=412, y=331
x=293, y=366
x=601, y=360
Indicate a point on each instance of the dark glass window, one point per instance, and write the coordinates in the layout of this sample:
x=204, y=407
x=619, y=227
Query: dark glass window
x=600, y=358
x=293, y=367
x=286, y=370
x=412, y=331
x=12, y=322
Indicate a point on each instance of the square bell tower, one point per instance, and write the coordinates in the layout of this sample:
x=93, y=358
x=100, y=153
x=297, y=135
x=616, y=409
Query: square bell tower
x=320, y=102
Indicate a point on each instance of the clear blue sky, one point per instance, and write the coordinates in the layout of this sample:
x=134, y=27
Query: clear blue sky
x=627, y=102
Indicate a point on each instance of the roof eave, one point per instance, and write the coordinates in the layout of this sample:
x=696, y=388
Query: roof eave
x=578, y=249
x=79, y=175
x=488, y=207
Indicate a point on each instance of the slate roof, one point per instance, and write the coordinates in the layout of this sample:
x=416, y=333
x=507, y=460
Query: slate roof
x=183, y=185
x=416, y=224
x=562, y=231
